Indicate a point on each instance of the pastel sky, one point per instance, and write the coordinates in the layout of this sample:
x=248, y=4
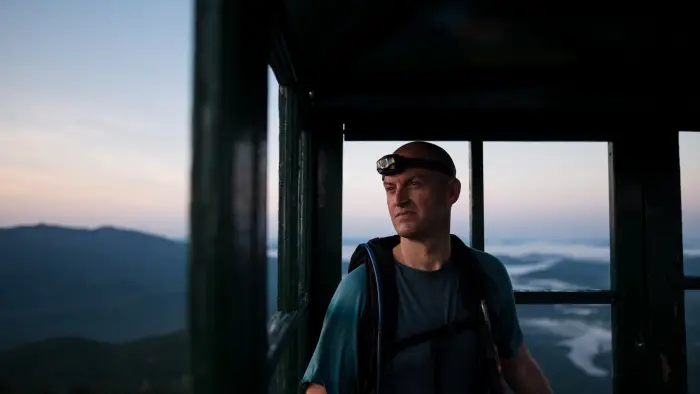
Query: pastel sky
x=94, y=130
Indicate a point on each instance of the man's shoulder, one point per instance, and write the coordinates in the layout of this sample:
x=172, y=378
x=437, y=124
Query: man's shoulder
x=486, y=259
x=355, y=279
x=492, y=267
x=352, y=286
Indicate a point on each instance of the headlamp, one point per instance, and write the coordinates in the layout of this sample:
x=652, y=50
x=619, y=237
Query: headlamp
x=395, y=164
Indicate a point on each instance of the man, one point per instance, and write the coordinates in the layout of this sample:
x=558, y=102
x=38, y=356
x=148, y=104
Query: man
x=421, y=187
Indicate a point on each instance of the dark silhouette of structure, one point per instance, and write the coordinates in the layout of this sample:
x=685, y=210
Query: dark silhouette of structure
x=387, y=70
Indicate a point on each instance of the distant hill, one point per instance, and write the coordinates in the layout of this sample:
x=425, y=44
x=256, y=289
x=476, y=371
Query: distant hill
x=103, y=311
x=75, y=364
x=86, y=310
x=102, y=284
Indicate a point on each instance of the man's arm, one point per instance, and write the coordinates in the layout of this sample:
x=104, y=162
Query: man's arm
x=333, y=366
x=520, y=370
x=316, y=389
x=523, y=375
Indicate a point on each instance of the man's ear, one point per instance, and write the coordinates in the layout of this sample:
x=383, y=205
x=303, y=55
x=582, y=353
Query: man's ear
x=454, y=188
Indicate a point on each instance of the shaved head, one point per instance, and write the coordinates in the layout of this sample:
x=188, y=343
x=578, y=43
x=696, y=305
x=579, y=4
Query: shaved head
x=426, y=150
x=420, y=199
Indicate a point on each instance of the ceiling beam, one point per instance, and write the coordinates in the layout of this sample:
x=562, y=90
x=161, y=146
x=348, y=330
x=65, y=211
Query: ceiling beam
x=609, y=74
x=384, y=18
x=500, y=125
x=283, y=53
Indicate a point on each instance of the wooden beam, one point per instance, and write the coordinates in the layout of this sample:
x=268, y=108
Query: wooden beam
x=476, y=195
x=284, y=55
x=663, y=249
x=282, y=332
x=648, y=312
x=326, y=261
x=692, y=283
x=227, y=262
x=629, y=310
x=379, y=20
x=288, y=238
x=306, y=222
x=585, y=77
x=464, y=124
x=589, y=297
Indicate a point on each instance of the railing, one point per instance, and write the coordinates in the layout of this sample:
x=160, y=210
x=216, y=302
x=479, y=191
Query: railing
x=281, y=329
x=565, y=297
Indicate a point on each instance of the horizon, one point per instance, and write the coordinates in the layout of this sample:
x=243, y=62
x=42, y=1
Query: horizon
x=102, y=137
x=546, y=251
x=692, y=244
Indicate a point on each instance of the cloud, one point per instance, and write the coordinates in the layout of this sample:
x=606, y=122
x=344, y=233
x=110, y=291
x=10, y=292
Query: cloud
x=583, y=339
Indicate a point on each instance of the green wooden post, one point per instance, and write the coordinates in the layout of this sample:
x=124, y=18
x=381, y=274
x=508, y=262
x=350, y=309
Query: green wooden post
x=287, y=271
x=325, y=273
x=296, y=197
x=305, y=245
x=647, y=272
x=663, y=249
x=629, y=333
x=476, y=195
x=227, y=265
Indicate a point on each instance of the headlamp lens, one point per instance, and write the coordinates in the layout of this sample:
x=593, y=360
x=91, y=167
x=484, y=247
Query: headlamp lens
x=385, y=162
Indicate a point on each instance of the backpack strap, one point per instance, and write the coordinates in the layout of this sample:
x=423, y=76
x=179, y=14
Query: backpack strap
x=367, y=333
x=473, y=285
x=379, y=319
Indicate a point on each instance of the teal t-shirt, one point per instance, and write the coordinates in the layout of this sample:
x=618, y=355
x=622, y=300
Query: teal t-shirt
x=427, y=300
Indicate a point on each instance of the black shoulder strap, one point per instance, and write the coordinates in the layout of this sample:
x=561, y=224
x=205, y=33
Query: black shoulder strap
x=389, y=292
x=472, y=278
x=369, y=326
x=473, y=286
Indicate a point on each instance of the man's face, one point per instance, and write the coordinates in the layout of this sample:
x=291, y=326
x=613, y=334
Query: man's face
x=420, y=201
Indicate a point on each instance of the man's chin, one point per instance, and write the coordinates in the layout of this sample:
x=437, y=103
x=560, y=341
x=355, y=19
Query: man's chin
x=408, y=232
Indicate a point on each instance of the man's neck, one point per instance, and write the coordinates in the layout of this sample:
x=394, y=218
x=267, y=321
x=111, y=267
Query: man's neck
x=425, y=255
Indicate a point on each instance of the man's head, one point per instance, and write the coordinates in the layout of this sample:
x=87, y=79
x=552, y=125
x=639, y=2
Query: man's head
x=420, y=197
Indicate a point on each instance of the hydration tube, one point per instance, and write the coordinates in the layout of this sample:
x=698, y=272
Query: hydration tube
x=380, y=313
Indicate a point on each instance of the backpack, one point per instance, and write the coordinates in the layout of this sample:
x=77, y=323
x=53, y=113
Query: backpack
x=377, y=343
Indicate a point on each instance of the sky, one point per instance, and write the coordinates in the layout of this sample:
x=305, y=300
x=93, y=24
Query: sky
x=95, y=130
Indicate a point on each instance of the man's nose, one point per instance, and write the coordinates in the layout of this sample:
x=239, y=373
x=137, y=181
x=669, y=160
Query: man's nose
x=401, y=196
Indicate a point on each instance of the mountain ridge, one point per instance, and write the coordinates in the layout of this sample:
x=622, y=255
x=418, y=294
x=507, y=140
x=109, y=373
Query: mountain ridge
x=103, y=310
x=104, y=228
x=68, y=281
